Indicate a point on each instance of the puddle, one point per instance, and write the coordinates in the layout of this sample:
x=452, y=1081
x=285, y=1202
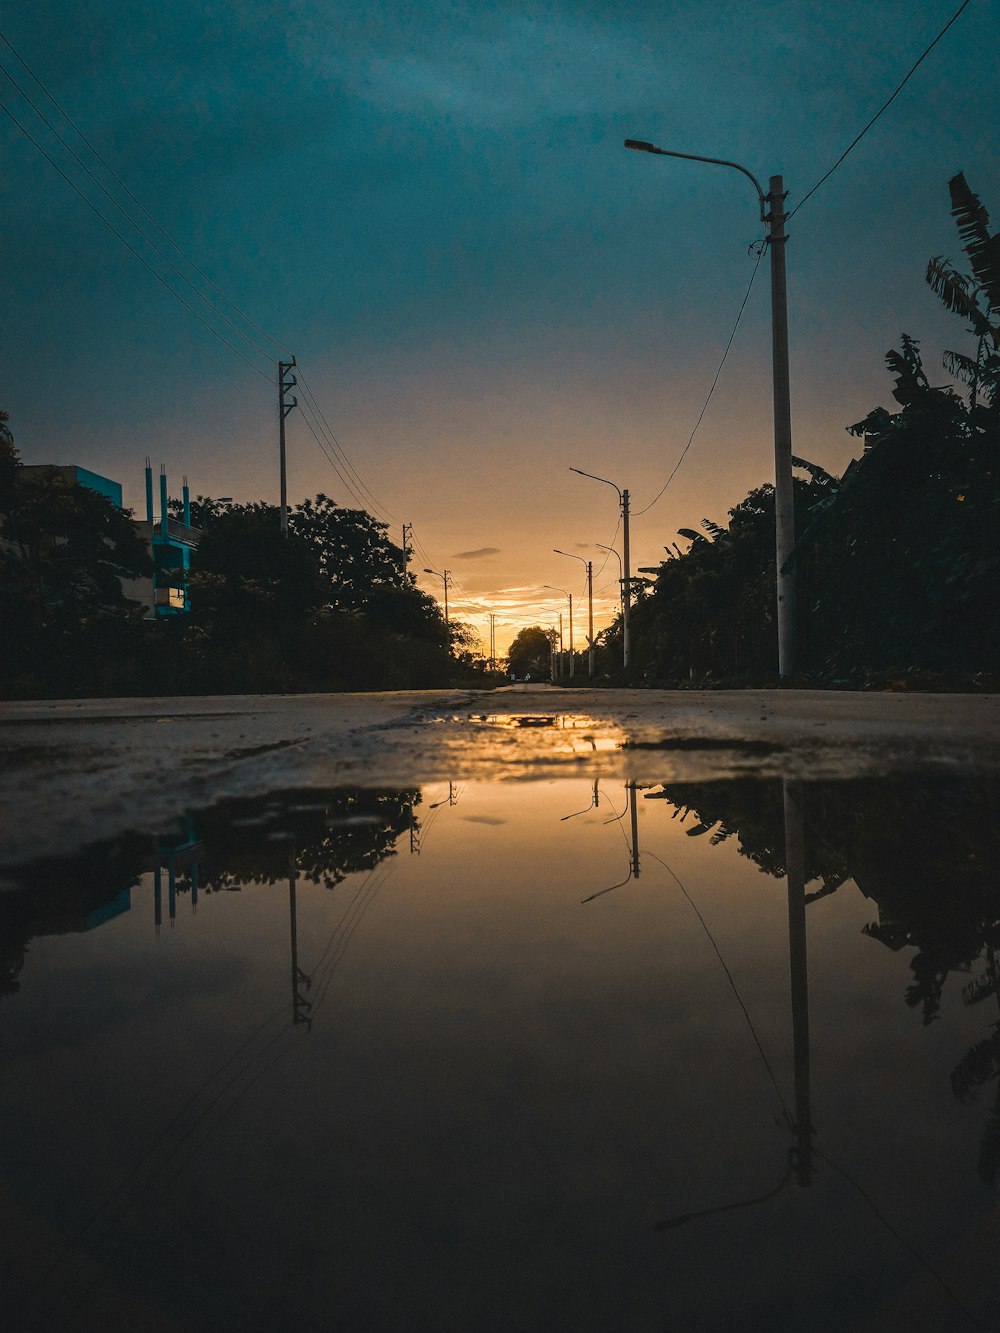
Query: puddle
x=586, y=734
x=573, y=1054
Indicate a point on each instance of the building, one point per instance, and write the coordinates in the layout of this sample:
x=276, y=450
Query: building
x=169, y=541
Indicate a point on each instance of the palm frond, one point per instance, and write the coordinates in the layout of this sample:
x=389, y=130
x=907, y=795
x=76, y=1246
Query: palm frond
x=962, y=367
x=712, y=527
x=691, y=535
x=958, y=293
x=982, y=249
x=818, y=474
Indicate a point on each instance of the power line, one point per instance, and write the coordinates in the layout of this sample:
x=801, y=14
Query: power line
x=122, y=185
x=884, y=107
x=129, y=246
x=339, y=449
x=715, y=381
x=132, y=222
x=333, y=463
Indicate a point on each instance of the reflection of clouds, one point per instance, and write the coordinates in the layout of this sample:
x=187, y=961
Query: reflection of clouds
x=483, y=819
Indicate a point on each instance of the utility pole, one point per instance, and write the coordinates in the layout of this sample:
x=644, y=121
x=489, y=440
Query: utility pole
x=590, y=619
x=590, y=603
x=626, y=580
x=784, y=484
x=286, y=381
x=626, y=587
x=493, y=640
x=444, y=577
x=407, y=538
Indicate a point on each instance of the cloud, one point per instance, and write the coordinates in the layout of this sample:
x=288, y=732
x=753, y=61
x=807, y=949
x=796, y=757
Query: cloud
x=481, y=553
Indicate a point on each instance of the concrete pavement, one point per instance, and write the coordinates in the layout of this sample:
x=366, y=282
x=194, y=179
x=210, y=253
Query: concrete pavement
x=77, y=770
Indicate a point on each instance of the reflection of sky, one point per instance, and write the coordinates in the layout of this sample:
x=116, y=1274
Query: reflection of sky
x=431, y=205
x=502, y=1092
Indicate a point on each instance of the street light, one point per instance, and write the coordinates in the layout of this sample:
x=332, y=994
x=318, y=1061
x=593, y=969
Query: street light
x=590, y=605
x=621, y=570
x=570, y=596
x=784, y=503
x=626, y=590
x=445, y=576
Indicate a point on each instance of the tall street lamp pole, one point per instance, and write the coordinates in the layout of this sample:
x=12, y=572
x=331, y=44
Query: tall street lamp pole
x=626, y=584
x=445, y=577
x=572, y=655
x=590, y=605
x=784, y=504
x=621, y=571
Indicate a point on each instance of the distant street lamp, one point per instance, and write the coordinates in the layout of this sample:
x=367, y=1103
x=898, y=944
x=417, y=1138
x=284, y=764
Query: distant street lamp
x=626, y=590
x=570, y=596
x=445, y=576
x=784, y=503
x=590, y=605
x=621, y=568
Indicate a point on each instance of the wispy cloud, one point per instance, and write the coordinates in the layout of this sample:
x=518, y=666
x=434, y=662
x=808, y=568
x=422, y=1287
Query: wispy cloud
x=481, y=553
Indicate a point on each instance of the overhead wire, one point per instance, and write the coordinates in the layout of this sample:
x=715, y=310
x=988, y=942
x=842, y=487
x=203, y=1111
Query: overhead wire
x=376, y=506
x=132, y=222
x=760, y=247
x=129, y=246
x=884, y=107
x=118, y=181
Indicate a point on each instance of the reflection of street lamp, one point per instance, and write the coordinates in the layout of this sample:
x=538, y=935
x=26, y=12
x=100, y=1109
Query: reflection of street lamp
x=784, y=515
x=551, y=588
x=590, y=604
x=445, y=576
x=626, y=592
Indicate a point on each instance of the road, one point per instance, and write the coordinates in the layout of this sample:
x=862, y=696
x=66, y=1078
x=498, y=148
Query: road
x=77, y=770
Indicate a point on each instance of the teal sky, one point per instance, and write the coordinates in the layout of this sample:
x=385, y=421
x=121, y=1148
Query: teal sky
x=431, y=206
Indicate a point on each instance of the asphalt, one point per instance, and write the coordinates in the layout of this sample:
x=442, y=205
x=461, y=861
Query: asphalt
x=74, y=771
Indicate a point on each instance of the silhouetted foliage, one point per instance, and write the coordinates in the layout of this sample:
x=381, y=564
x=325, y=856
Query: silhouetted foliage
x=897, y=561
x=529, y=653
x=68, y=627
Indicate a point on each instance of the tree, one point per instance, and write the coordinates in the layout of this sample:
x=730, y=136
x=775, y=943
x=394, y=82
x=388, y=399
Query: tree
x=355, y=558
x=975, y=296
x=530, y=652
x=64, y=552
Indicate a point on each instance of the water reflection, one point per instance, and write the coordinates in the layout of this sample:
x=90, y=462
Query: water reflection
x=583, y=1068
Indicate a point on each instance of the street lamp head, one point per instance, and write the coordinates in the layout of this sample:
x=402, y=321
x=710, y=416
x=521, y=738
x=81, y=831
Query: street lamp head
x=641, y=146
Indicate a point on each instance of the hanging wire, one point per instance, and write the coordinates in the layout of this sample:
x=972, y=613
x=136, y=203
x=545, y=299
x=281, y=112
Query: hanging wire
x=376, y=506
x=884, y=107
x=129, y=246
x=759, y=246
x=118, y=180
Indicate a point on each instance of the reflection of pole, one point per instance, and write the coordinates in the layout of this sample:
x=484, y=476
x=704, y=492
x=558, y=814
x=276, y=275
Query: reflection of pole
x=300, y=1005
x=630, y=787
x=171, y=887
x=157, y=893
x=795, y=869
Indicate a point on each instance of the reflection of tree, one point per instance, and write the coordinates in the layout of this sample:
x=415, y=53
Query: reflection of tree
x=924, y=852
x=333, y=833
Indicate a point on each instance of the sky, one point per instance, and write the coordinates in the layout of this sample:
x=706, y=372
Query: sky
x=429, y=205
